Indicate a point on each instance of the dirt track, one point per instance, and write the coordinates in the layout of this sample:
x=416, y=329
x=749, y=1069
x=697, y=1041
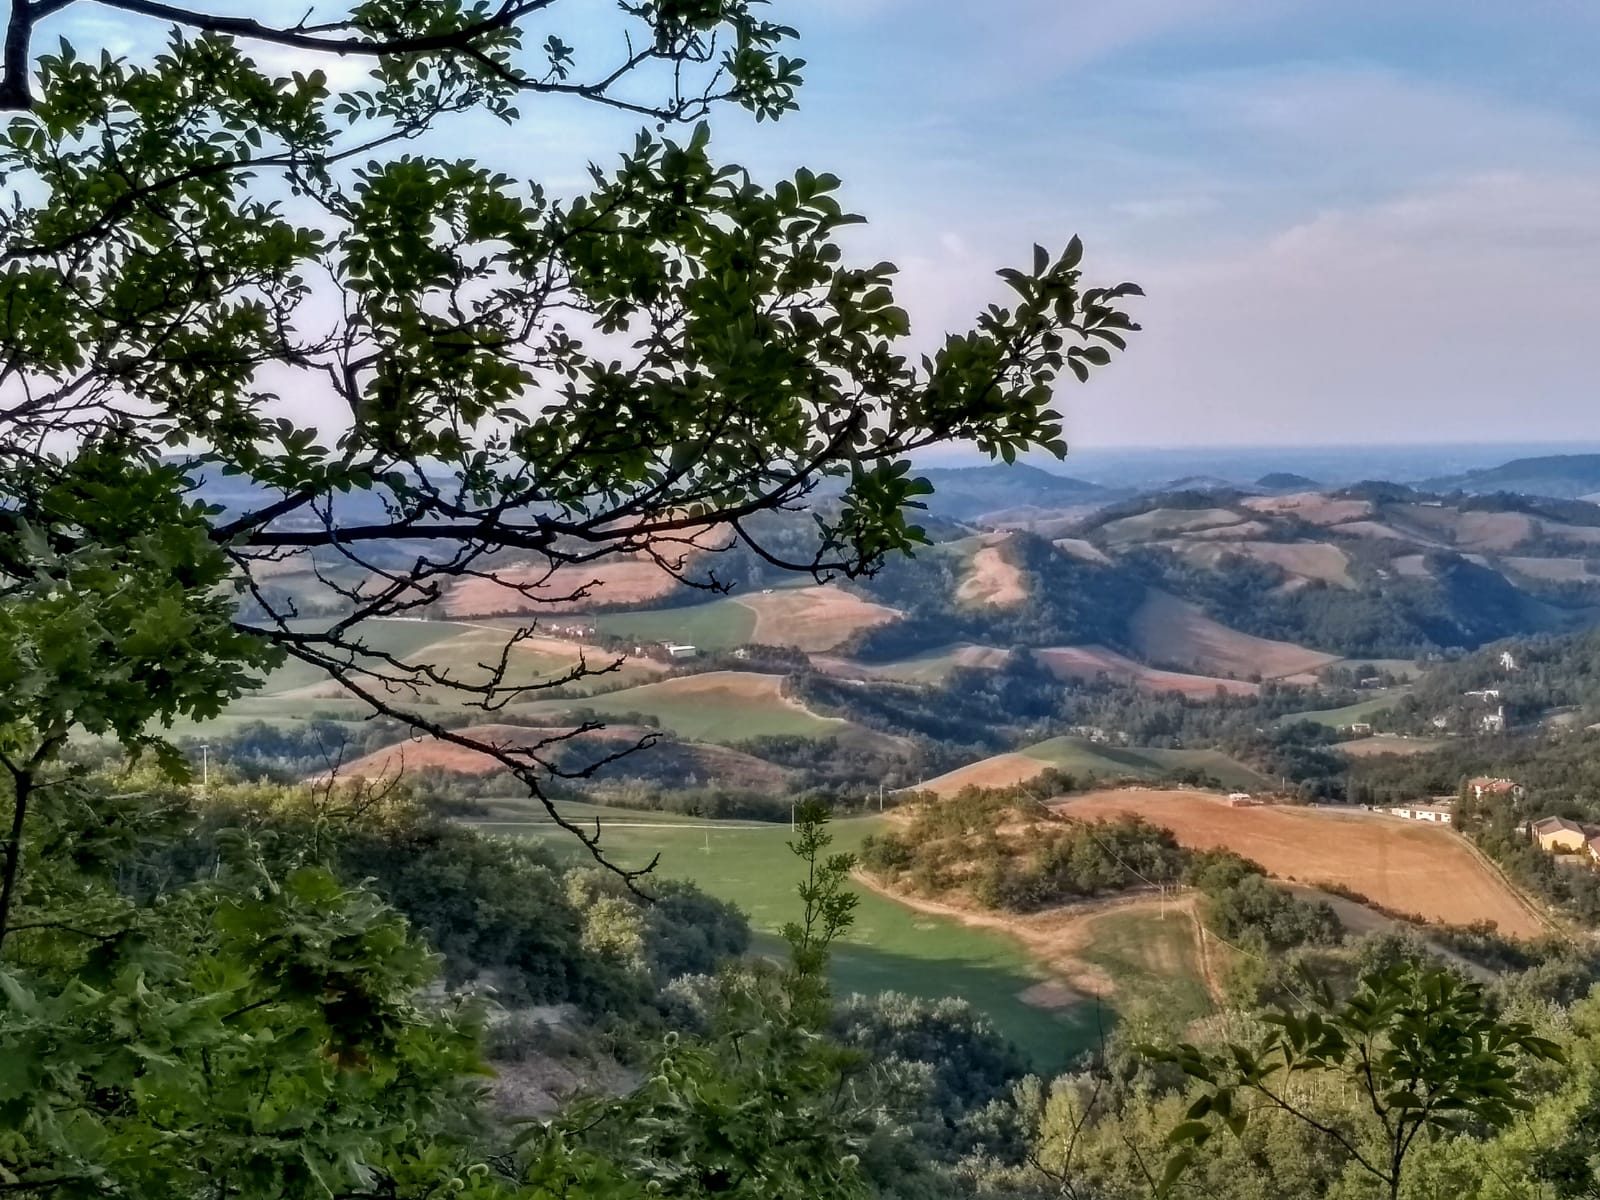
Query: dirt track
x=992, y=581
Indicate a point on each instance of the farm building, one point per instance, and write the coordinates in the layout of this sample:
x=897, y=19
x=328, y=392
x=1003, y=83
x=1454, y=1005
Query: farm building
x=1559, y=835
x=1494, y=722
x=1357, y=729
x=681, y=650
x=1244, y=800
x=1594, y=848
x=1439, y=812
x=1484, y=694
x=1484, y=786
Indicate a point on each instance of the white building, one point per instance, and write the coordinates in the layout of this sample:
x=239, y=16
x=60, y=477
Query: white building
x=681, y=650
x=1438, y=812
x=1508, y=660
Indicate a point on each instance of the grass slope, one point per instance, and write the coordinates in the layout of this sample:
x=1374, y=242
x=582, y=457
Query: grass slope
x=1362, y=710
x=1151, y=958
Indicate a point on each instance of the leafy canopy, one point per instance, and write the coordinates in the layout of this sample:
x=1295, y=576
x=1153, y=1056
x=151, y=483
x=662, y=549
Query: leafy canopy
x=408, y=370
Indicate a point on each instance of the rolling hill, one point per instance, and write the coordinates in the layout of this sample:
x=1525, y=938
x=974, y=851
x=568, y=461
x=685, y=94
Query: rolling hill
x=1081, y=757
x=966, y=493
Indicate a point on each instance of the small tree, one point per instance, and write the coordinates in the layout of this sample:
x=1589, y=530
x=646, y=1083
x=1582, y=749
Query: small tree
x=1416, y=1045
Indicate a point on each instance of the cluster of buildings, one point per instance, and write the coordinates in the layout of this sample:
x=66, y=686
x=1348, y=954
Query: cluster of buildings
x=672, y=650
x=1441, y=810
x=1560, y=835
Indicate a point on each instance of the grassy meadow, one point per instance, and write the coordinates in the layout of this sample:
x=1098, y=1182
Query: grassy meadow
x=890, y=947
x=1362, y=710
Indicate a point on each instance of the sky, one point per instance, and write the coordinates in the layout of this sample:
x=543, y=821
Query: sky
x=1356, y=221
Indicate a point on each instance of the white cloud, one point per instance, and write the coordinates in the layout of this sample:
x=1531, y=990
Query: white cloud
x=1434, y=316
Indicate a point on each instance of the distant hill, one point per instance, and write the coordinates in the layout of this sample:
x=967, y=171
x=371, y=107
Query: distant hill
x=1560, y=476
x=1201, y=483
x=964, y=493
x=1258, y=586
x=1287, y=481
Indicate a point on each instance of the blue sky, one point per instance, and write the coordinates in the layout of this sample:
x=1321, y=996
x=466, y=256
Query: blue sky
x=1357, y=221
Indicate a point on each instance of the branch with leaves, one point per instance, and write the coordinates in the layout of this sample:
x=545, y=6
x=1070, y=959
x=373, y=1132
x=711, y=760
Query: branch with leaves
x=1416, y=1045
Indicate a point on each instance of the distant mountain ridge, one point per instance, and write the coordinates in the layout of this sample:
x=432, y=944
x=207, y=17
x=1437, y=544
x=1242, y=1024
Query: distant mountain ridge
x=1560, y=476
x=964, y=493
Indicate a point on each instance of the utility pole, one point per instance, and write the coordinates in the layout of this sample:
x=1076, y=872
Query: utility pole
x=880, y=795
x=205, y=765
x=791, y=816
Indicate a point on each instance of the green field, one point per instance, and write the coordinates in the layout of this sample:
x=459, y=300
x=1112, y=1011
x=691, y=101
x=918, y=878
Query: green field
x=1351, y=713
x=722, y=716
x=719, y=625
x=1153, y=959
x=890, y=947
x=1083, y=757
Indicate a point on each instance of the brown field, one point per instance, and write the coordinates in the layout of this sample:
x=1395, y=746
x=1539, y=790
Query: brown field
x=470, y=657
x=1412, y=566
x=1312, y=506
x=1379, y=531
x=1304, y=560
x=697, y=759
x=1169, y=630
x=1371, y=747
x=1220, y=533
x=1090, y=662
x=1002, y=770
x=1398, y=865
x=1079, y=548
x=619, y=579
x=1587, y=535
x=567, y=589
x=1471, y=530
x=1556, y=570
x=1141, y=526
x=813, y=619
x=421, y=754
x=992, y=581
x=1494, y=531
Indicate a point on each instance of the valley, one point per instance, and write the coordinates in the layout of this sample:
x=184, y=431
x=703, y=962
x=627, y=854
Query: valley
x=1114, y=657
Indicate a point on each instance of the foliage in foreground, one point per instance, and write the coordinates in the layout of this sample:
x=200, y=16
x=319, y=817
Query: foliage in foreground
x=271, y=1030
